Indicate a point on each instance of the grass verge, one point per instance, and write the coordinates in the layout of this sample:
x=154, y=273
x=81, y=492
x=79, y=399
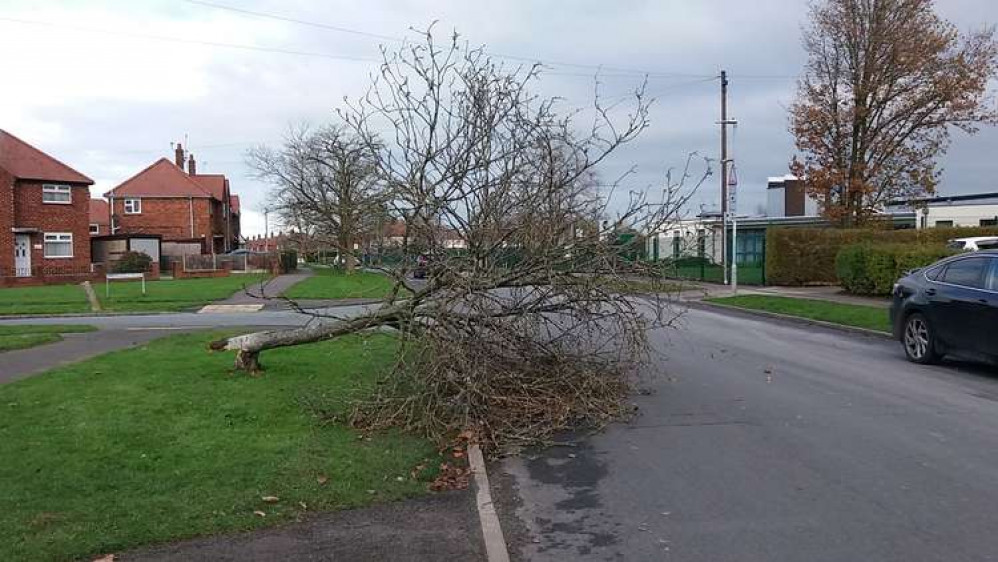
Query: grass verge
x=25, y=336
x=161, y=442
x=330, y=283
x=46, y=299
x=869, y=317
x=171, y=295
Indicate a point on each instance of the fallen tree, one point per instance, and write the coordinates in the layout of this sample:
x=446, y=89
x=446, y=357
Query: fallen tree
x=519, y=327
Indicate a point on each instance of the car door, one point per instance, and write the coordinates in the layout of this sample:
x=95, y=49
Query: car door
x=988, y=337
x=960, y=302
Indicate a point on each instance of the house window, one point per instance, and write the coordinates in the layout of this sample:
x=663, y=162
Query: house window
x=944, y=224
x=58, y=245
x=133, y=206
x=56, y=193
x=989, y=222
x=94, y=229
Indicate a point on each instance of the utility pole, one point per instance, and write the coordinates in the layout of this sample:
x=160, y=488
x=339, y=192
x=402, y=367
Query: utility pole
x=724, y=174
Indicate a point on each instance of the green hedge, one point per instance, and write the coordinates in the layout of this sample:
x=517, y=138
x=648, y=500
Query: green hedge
x=806, y=256
x=872, y=269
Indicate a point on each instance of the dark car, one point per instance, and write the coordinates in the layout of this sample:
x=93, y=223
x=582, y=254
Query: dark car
x=949, y=307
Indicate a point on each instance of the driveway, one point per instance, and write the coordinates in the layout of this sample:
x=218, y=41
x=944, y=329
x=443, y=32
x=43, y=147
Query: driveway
x=764, y=441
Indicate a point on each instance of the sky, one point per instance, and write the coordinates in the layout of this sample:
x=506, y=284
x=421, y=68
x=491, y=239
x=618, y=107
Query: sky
x=107, y=85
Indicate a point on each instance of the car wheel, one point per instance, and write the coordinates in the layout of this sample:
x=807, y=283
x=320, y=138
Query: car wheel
x=919, y=340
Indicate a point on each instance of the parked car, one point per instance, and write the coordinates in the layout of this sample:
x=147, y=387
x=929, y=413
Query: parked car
x=948, y=307
x=422, y=267
x=974, y=244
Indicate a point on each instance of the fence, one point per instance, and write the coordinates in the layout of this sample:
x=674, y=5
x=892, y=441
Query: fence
x=238, y=262
x=699, y=260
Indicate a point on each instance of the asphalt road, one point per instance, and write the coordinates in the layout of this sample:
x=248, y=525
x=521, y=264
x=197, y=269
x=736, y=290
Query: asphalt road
x=763, y=441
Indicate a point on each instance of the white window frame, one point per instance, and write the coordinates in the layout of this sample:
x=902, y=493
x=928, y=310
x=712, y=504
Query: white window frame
x=59, y=189
x=60, y=238
x=135, y=204
x=95, y=228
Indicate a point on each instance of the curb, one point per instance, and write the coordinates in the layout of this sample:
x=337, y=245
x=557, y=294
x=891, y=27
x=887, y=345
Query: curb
x=495, y=543
x=87, y=314
x=791, y=319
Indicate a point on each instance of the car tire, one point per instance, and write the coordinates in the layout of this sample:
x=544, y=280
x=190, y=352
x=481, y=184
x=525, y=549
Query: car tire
x=919, y=339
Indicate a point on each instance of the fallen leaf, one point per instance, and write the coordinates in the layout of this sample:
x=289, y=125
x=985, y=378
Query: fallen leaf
x=259, y=513
x=322, y=479
x=302, y=504
x=106, y=558
x=271, y=499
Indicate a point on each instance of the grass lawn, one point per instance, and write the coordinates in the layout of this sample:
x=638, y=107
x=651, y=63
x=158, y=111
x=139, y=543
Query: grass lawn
x=46, y=299
x=329, y=283
x=161, y=442
x=870, y=317
x=25, y=336
x=171, y=295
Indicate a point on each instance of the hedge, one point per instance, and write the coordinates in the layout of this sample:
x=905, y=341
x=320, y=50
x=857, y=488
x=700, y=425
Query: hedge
x=806, y=256
x=872, y=269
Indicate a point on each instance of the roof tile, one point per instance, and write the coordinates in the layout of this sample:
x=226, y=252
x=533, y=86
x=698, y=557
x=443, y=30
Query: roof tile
x=24, y=161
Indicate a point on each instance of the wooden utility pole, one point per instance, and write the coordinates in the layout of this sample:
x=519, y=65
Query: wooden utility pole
x=724, y=174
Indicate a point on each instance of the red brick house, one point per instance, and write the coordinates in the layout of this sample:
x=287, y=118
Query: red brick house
x=100, y=217
x=44, y=215
x=189, y=210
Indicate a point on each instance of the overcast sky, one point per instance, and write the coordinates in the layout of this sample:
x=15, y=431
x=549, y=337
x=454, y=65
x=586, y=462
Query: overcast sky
x=107, y=85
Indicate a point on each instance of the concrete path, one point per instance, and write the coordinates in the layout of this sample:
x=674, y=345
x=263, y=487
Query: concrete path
x=825, y=293
x=22, y=363
x=272, y=288
x=440, y=527
x=762, y=441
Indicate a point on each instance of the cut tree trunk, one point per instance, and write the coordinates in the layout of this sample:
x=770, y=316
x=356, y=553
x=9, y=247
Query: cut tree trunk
x=249, y=346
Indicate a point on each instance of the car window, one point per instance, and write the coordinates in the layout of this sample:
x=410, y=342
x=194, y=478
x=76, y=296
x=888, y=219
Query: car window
x=991, y=283
x=934, y=272
x=987, y=245
x=956, y=245
x=966, y=273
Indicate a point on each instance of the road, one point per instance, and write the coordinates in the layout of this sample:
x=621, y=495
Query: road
x=763, y=441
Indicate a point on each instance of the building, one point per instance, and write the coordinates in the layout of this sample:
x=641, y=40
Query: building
x=190, y=211
x=100, y=217
x=979, y=209
x=44, y=215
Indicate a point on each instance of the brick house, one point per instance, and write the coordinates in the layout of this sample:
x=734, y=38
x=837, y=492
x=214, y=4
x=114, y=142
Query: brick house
x=100, y=217
x=44, y=216
x=189, y=210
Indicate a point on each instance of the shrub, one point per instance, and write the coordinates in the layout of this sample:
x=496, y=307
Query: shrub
x=807, y=256
x=872, y=269
x=132, y=262
x=289, y=260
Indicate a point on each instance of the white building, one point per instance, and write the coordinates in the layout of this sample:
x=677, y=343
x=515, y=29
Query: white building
x=958, y=210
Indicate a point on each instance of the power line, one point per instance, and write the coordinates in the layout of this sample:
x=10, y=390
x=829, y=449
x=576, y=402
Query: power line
x=189, y=41
x=618, y=69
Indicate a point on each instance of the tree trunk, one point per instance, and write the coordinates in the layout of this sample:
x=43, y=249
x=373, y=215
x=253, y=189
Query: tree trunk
x=249, y=346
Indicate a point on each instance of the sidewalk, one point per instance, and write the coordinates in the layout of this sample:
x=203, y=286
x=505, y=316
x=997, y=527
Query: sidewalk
x=824, y=293
x=22, y=363
x=273, y=288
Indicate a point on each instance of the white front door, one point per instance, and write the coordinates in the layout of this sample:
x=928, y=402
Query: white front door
x=22, y=255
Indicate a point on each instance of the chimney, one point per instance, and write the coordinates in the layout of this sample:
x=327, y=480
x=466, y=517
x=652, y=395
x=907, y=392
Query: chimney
x=179, y=156
x=191, y=165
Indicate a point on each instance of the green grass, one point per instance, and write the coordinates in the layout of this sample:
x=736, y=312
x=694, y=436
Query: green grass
x=870, y=317
x=329, y=283
x=24, y=336
x=171, y=295
x=162, y=442
x=47, y=299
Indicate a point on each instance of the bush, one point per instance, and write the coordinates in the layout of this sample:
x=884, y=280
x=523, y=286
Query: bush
x=132, y=262
x=807, y=256
x=872, y=269
x=289, y=261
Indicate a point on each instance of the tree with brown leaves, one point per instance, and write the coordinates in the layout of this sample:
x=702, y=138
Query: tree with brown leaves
x=885, y=83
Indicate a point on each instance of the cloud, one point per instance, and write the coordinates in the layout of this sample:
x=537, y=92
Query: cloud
x=111, y=103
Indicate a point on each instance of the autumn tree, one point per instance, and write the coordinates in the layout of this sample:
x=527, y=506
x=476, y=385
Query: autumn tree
x=885, y=84
x=324, y=183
